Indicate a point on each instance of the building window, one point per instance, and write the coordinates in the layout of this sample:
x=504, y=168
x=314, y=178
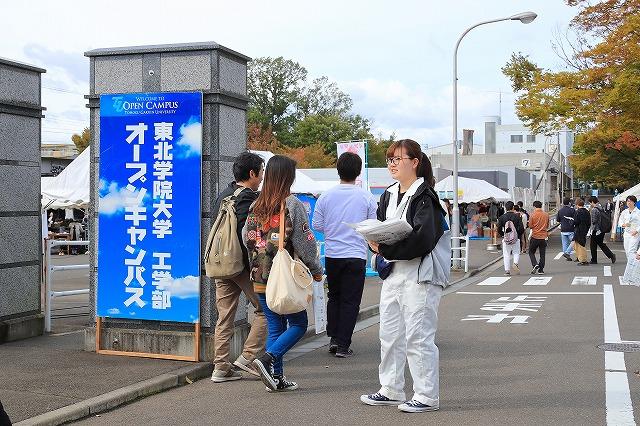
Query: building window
x=531, y=138
x=516, y=138
x=531, y=151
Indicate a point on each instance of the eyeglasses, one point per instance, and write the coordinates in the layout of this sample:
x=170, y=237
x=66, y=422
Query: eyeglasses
x=396, y=160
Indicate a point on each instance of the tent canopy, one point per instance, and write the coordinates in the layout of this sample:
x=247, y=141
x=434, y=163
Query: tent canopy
x=631, y=191
x=70, y=188
x=303, y=183
x=470, y=190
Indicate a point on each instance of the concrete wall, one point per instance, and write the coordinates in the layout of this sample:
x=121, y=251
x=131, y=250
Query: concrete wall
x=220, y=73
x=20, y=235
x=495, y=178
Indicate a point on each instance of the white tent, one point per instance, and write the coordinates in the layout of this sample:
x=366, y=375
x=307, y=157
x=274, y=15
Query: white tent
x=70, y=188
x=303, y=183
x=470, y=190
x=631, y=191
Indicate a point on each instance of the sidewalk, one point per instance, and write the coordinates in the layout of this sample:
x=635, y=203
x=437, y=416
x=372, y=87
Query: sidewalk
x=50, y=372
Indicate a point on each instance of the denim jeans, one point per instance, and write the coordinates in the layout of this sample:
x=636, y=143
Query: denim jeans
x=281, y=338
x=567, y=237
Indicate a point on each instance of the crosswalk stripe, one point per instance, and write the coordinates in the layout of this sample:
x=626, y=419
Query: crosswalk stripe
x=607, y=271
x=584, y=281
x=494, y=281
x=538, y=281
x=622, y=282
x=558, y=256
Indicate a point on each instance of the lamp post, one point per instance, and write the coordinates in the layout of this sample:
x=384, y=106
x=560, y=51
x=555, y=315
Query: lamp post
x=525, y=18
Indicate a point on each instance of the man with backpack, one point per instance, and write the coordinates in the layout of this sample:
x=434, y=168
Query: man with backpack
x=510, y=228
x=600, y=225
x=225, y=255
x=566, y=217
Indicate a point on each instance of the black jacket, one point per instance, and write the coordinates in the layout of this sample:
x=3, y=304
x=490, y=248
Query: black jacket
x=566, y=217
x=425, y=215
x=243, y=202
x=582, y=223
x=513, y=217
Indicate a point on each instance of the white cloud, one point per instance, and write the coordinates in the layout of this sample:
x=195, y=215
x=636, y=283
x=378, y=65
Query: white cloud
x=114, y=311
x=190, y=139
x=185, y=287
x=113, y=201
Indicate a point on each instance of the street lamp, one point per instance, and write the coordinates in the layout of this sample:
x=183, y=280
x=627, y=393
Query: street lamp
x=525, y=18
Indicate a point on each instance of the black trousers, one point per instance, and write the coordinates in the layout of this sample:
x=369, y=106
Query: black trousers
x=534, y=245
x=4, y=418
x=345, y=278
x=598, y=241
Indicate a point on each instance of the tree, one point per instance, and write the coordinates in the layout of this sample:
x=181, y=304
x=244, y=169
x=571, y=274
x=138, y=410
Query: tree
x=83, y=140
x=323, y=97
x=274, y=85
x=597, y=96
x=329, y=129
x=377, y=156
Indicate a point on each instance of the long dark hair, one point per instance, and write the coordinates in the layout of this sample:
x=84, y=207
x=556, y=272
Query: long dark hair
x=412, y=149
x=276, y=187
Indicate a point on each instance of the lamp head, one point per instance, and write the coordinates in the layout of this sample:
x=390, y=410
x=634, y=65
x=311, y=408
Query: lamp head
x=524, y=17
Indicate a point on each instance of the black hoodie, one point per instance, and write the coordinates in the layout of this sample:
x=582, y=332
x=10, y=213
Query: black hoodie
x=425, y=215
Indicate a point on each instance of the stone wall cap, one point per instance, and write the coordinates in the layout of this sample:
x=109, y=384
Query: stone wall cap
x=159, y=48
x=22, y=65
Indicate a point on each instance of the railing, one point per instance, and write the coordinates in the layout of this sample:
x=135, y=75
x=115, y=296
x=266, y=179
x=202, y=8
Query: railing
x=50, y=294
x=463, y=248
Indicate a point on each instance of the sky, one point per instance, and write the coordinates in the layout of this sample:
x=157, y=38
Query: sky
x=393, y=58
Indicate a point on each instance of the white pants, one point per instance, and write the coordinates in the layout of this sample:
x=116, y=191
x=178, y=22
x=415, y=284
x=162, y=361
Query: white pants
x=508, y=251
x=408, y=323
x=631, y=245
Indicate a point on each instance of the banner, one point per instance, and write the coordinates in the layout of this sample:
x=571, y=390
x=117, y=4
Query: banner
x=149, y=206
x=360, y=148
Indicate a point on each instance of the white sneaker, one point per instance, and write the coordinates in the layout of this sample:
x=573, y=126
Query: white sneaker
x=220, y=376
x=246, y=365
x=414, y=406
x=378, y=399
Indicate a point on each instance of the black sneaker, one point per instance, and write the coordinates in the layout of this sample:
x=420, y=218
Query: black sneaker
x=333, y=346
x=344, y=353
x=378, y=399
x=613, y=258
x=535, y=270
x=283, y=385
x=264, y=365
x=568, y=257
x=414, y=406
x=540, y=272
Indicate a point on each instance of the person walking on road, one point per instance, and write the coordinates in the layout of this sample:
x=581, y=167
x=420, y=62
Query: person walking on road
x=524, y=215
x=510, y=228
x=345, y=250
x=598, y=231
x=409, y=306
x=248, y=169
x=261, y=235
x=539, y=224
x=582, y=223
x=565, y=218
x=630, y=222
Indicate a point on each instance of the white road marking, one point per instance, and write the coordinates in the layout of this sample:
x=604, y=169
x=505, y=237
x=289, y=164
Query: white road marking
x=622, y=282
x=494, y=281
x=607, y=271
x=533, y=292
x=619, y=407
x=584, y=281
x=538, y=281
x=558, y=256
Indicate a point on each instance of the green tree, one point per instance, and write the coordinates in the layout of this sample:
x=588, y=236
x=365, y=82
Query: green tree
x=83, y=140
x=597, y=96
x=377, y=155
x=329, y=129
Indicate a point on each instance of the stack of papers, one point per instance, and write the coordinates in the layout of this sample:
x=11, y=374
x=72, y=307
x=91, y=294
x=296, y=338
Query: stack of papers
x=388, y=232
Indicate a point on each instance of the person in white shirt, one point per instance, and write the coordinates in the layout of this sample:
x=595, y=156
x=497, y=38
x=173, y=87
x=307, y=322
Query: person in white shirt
x=630, y=222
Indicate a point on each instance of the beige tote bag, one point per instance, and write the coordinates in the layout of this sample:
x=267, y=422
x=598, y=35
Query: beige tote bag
x=289, y=287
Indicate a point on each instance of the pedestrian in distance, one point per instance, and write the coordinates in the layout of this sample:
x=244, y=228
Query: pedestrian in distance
x=345, y=250
x=408, y=303
x=539, y=224
x=261, y=235
x=600, y=225
x=248, y=169
x=510, y=229
x=524, y=215
x=565, y=218
x=582, y=223
x=630, y=221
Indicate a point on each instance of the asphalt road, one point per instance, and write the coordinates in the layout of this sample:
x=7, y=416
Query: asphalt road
x=520, y=352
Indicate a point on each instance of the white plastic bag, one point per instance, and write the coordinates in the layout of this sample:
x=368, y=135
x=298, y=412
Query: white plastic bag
x=319, y=306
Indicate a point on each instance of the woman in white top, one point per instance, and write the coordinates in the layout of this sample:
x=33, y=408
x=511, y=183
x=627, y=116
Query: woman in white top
x=630, y=222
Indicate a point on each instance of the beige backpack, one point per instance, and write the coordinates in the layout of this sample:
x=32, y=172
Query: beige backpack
x=223, y=256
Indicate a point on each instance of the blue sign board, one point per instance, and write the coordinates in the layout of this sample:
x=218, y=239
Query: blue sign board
x=149, y=206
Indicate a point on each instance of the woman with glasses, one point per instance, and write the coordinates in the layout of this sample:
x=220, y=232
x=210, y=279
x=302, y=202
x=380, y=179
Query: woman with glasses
x=409, y=308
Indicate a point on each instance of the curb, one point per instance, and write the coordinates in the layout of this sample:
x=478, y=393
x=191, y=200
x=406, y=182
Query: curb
x=118, y=397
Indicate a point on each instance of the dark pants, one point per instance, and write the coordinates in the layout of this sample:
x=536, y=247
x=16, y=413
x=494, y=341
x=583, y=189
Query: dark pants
x=345, y=278
x=598, y=241
x=4, y=418
x=534, y=245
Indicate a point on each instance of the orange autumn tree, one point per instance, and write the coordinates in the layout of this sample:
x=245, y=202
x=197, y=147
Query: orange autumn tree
x=596, y=95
